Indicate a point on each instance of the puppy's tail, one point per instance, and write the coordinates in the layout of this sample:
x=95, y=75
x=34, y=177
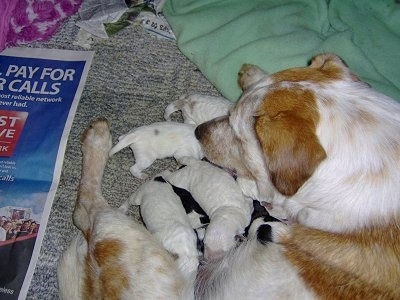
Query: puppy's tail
x=96, y=143
x=134, y=199
x=173, y=107
x=124, y=141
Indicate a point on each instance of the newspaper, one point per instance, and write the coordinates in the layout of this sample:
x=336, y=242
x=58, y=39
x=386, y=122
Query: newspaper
x=102, y=19
x=39, y=94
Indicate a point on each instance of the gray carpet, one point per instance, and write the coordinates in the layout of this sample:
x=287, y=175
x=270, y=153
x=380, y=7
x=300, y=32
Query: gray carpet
x=132, y=78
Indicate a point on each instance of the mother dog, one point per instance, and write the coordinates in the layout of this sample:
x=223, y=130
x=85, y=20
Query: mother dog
x=321, y=145
x=325, y=147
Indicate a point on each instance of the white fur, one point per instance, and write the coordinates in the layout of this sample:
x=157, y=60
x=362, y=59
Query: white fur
x=157, y=141
x=220, y=197
x=197, y=109
x=164, y=216
x=71, y=268
x=358, y=183
x=251, y=271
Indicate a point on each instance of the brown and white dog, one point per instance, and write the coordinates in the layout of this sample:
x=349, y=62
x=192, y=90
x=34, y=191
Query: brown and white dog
x=321, y=145
x=325, y=147
x=113, y=257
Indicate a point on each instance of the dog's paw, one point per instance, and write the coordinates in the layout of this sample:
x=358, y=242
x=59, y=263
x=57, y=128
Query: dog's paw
x=97, y=136
x=248, y=75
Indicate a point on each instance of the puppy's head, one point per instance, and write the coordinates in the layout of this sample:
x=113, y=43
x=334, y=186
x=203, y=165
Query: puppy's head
x=272, y=130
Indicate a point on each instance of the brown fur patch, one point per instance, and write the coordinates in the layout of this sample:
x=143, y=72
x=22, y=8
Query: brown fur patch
x=359, y=265
x=107, y=250
x=105, y=275
x=324, y=68
x=286, y=128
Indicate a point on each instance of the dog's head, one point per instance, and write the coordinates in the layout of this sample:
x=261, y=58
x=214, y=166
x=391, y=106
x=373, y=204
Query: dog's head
x=270, y=134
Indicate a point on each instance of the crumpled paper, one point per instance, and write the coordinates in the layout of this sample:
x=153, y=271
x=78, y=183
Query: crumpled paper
x=95, y=13
x=100, y=19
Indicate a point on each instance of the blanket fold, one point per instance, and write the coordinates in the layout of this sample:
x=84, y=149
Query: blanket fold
x=220, y=35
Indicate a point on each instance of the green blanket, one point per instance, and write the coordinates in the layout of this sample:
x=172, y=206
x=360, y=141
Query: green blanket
x=220, y=35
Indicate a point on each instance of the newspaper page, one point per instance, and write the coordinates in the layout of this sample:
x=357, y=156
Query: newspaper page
x=39, y=94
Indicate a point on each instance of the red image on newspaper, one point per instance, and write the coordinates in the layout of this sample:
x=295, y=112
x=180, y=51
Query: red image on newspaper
x=11, y=126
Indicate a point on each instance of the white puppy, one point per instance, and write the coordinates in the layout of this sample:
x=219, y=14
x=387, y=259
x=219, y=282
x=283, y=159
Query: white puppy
x=157, y=141
x=221, y=198
x=197, y=109
x=165, y=217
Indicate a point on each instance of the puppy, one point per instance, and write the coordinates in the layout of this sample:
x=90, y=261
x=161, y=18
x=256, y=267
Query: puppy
x=197, y=216
x=198, y=109
x=220, y=197
x=113, y=257
x=324, y=147
x=164, y=216
x=157, y=141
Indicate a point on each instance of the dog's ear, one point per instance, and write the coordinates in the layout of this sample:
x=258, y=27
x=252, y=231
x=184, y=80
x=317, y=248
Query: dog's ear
x=333, y=66
x=286, y=128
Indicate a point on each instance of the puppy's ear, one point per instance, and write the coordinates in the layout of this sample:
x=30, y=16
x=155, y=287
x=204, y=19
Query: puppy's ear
x=286, y=129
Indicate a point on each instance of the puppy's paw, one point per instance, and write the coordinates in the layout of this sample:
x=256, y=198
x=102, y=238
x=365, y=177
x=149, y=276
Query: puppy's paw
x=184, y=97
x=97, y=137
x=138, y=173
x=248, y=75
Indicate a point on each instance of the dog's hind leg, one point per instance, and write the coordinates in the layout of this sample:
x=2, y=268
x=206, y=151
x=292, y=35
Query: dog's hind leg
x=96, y=143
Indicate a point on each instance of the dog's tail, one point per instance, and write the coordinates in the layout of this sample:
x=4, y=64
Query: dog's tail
x=96, y=143
x=123, y=141
x=173, y=107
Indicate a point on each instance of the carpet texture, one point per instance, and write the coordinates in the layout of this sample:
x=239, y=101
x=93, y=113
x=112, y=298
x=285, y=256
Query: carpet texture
x=132, y=78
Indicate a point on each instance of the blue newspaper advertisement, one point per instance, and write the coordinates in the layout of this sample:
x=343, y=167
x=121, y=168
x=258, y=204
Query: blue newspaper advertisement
x=39, y=94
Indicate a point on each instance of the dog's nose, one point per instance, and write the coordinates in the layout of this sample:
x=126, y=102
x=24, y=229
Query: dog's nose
x=197, y=132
